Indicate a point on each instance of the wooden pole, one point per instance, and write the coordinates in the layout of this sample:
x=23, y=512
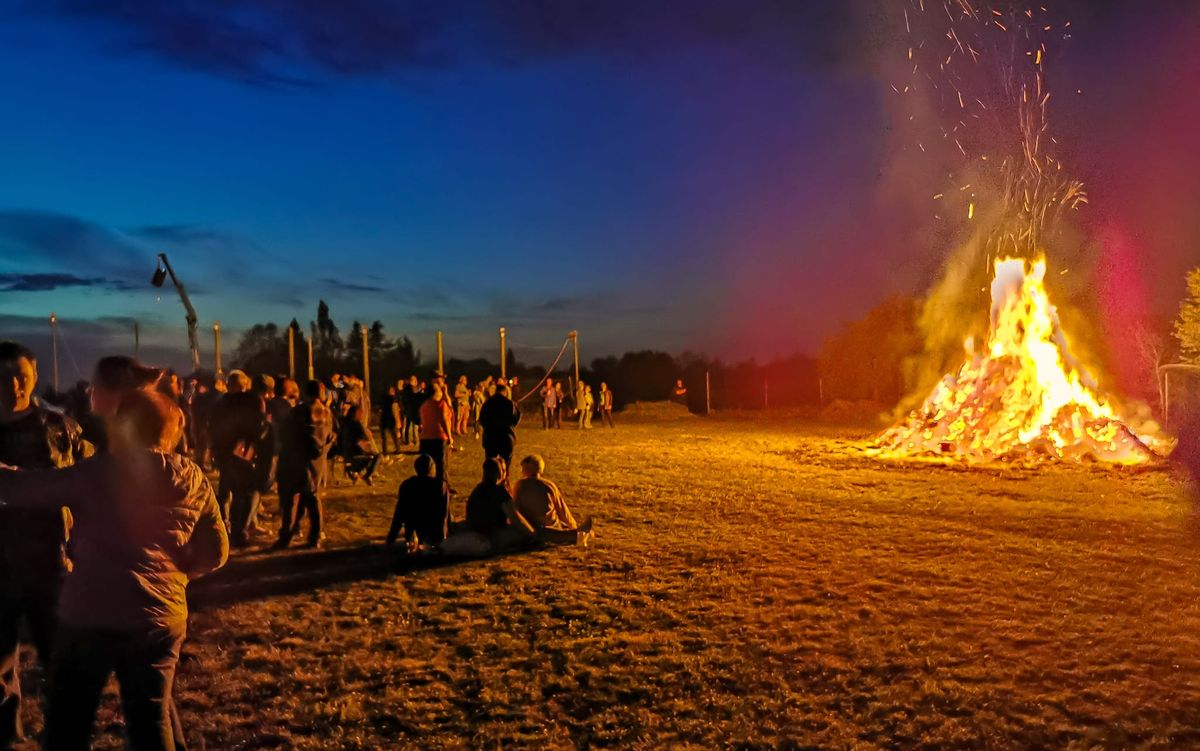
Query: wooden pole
x=575, y=339
x=292, y=350
x=503, y=356
x=707, y=393
x=137, y=341
x=441, y=364
x=54, y=347
x=312, y=372
x=217, y=345
x=366, y=355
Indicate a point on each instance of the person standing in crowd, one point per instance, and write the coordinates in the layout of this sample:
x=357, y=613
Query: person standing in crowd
x=679, y=393
x=606, y=404
x=478, y=397
x=560, y=404
x=390, y=418
x=549, y=404
x=462, y=406
x=113, y=377
x=307, y=436
x=499, y=419
x=170, y=384
x=360, y=455
x=437, y=428
x=413, y=399
x=239, y=434
x=422, y=507
x=146, y=521
x=541, y=503
x=589, y=406
x=32, y=540
x=201, y=415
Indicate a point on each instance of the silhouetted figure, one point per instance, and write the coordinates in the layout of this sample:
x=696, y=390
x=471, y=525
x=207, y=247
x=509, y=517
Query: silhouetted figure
x=360, y=453
x=413, y=397
x=146, y=521
x=462, y=406
x=307, y=436
x=32, y=555
x=240, y=433
x=391, y=416
x=499, y=418
x=422, y=507
x=493, y=524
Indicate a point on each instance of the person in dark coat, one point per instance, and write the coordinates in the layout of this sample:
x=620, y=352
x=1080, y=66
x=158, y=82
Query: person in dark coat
x=422, y=507
x=32, y=553
x=240, y=433
x=391, y=414
x=499, y=418
x=359, y=448
x=146, y=521
x=307, y=435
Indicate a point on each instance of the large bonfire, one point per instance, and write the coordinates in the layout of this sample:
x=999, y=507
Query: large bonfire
x=1021, y=395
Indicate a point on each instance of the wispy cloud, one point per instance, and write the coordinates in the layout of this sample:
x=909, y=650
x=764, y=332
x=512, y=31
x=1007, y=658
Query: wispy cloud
x=50, y=282
x=344, y=286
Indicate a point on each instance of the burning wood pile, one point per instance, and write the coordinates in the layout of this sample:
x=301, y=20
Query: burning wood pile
x=1021, y=396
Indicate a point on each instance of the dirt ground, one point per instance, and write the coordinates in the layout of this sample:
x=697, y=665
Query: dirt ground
x=754, y=583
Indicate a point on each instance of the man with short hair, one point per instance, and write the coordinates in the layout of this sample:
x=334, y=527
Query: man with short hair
x=498, y=420
x=32, y=541
x=606, y=404
x=422, y=507
x=541, y=503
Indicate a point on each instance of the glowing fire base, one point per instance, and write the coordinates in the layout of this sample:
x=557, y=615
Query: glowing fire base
x=1022, y=398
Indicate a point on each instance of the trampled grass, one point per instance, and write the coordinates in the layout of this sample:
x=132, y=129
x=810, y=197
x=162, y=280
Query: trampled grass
x=753, y=584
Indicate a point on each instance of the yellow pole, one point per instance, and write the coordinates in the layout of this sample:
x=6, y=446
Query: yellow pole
x=503, y=355
x=217, y=344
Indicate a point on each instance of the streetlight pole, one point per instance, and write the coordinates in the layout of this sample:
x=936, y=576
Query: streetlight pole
x=217, y=345
x=54, y=347
x=575, y=339
x=366, y=355
x=503, y=356
x=292, y=349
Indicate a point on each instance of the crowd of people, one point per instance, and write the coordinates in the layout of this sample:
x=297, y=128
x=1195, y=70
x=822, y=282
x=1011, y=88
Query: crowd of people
x=107, y=508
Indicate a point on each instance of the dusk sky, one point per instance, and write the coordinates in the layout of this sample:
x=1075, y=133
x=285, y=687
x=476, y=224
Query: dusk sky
x=713, y=176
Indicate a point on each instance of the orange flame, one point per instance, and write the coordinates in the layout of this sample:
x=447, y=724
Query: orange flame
x=1022, y=395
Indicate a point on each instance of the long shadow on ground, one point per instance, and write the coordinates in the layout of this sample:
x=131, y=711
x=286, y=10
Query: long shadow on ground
x=258, y=576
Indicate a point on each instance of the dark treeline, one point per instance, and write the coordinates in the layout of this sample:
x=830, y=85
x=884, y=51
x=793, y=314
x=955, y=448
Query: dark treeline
x=864, y=361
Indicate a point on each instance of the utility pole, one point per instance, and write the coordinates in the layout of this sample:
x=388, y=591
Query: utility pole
x=313, y=337
x=575, y=339
x=503, y=355
x=217, y=346
x=292, y=349
x=54, y=347
x=137, y=341
x=441, y=365
x=366, y=355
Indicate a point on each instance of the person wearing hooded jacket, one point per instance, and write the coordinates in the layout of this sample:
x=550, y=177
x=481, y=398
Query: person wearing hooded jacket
x=146, y=522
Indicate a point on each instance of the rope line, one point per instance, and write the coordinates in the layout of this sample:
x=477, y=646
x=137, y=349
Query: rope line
x=549, y=370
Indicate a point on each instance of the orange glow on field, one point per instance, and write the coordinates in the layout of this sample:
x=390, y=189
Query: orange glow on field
x=1022, y=395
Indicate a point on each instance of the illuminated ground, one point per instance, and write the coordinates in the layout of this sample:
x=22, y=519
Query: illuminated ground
x=753, y=585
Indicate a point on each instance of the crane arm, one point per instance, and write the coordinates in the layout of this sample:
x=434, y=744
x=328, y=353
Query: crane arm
x=192, y=320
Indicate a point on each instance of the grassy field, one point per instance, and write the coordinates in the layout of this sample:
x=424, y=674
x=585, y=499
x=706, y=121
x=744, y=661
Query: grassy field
x=753, y=584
